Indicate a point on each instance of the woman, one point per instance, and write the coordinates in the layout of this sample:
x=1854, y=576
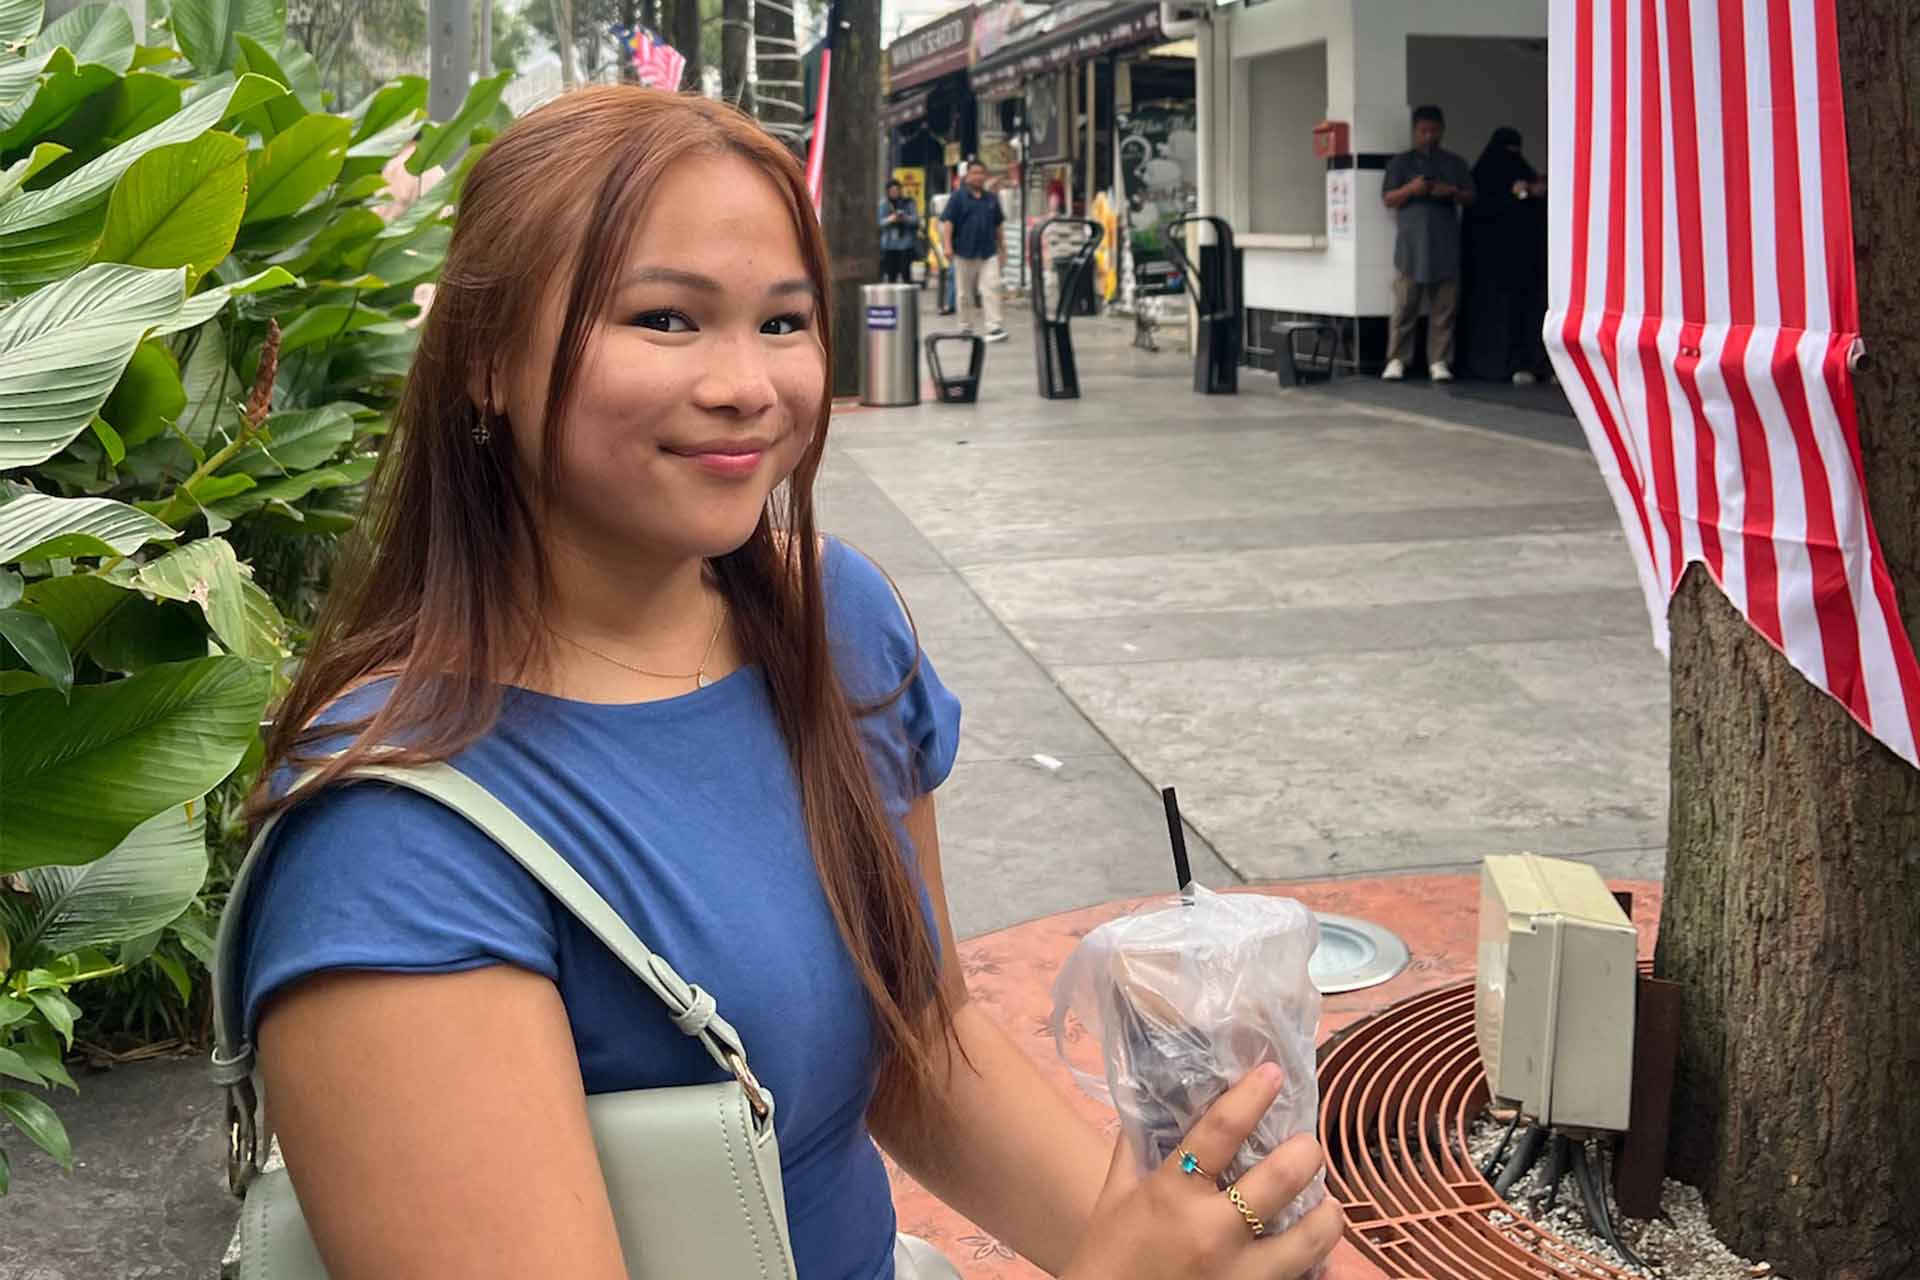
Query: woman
x=899, y=233
x=1505, y=264
x=591, y=581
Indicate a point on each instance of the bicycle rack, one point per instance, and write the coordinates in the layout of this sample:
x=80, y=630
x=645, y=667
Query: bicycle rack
x=1215, y=286
x=1052, y=338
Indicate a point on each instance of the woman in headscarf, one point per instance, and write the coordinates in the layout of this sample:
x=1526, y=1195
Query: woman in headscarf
x=1506, y=264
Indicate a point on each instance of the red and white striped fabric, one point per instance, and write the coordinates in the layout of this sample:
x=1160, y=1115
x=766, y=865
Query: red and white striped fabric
x=1703, y=311
x=656, y=63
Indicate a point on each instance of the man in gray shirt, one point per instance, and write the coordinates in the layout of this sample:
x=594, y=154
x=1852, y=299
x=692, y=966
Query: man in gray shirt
x=1426, y=188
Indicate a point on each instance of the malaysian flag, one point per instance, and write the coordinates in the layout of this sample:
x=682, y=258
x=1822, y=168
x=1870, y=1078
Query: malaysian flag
x=656, y=63
x=1703, y=316
x=817, y=150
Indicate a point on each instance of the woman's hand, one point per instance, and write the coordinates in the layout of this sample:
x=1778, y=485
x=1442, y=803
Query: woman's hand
x=1175, y=1224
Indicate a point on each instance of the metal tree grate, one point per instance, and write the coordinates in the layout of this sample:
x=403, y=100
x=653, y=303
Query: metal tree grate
x=1398, y=1093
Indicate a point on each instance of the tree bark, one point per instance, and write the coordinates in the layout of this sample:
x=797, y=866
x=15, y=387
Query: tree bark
x=777, y=63
x=563, y=37
x=1792, y=912
x=851, y=183
x=736, y=31
x=686, y=38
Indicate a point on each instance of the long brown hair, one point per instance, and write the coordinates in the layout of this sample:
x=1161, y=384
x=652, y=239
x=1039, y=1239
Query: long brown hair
x=426, y=592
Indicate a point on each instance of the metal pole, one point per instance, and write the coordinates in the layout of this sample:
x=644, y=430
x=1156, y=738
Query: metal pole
x=486, y=36
x=450, y=50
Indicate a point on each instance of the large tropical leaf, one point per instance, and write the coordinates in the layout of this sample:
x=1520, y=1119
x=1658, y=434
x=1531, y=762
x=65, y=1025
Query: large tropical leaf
x=20, y=19
x=325, y=323
x=39, y=526
x=208, y=303
x=17, y=174
x=36, y=639
x=39, y=94
x=77, y=777
x=140, y=101
x=39, y=1122
x=179, y=206
x=293, y=67
x=148, y=397
x=63, y=348
x=280, y=494
x=101, y=34
x=399, y=101
x=439, y=143
x=207, y=573
x=300, y=163
x=298, y=440
x=46, y=234
x=205, y=29
x=77, y=605
x=143, y=885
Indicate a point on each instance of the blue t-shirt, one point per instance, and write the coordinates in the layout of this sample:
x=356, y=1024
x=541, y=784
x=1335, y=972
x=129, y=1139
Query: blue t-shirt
x=685, y=816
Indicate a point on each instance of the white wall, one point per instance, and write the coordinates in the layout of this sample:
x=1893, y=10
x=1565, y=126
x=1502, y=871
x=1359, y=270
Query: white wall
x=1367, y=86
x=1481, y=84
x=1286, y=98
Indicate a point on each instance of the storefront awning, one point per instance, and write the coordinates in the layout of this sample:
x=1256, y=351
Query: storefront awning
x=1067, y=34
x=904, y=109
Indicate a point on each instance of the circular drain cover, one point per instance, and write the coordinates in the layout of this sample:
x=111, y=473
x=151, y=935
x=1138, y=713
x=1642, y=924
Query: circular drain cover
x=1354, y=954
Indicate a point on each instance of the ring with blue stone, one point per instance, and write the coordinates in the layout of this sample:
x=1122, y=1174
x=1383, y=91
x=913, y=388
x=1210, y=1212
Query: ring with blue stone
x=1190, y=1163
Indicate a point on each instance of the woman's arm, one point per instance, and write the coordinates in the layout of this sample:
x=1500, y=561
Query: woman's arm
x=435, y=1126
x=997, y=1141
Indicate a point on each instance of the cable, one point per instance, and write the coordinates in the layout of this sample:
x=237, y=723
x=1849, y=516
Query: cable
x=1524, y=1156
x=1492, y=1162
x=1594, y=1193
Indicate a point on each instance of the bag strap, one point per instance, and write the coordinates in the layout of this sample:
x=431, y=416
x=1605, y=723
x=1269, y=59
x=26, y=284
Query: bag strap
x=692, y=1010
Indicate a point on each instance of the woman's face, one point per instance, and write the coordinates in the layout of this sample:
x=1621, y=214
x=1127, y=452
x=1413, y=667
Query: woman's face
x=699, y=389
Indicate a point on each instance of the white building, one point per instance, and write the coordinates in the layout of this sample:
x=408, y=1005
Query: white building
x=1318, y=241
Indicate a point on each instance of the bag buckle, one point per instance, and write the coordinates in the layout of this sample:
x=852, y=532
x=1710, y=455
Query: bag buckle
x=756, y=1096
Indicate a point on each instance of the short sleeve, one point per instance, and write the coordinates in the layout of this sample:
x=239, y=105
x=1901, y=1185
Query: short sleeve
x=370, y=876
x=877, y=651
x=1396, y=175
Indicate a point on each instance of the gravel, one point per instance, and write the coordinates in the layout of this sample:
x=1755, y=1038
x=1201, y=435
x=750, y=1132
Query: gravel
x=1680, y=1245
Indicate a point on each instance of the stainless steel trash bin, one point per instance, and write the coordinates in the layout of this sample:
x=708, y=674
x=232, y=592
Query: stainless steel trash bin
x=890, y=345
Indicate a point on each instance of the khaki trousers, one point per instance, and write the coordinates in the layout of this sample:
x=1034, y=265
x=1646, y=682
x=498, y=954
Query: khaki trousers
x=982, y=274
x=1442, y=302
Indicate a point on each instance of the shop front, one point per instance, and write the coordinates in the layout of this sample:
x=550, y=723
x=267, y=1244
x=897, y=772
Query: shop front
x=928, y=116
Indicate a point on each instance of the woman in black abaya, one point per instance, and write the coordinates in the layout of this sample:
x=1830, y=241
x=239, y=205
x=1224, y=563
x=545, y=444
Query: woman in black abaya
x=1506, y=265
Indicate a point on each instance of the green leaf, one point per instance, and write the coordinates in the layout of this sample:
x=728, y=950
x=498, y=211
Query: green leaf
x=178, y=206
x=140, y=101
x=42, y=1053
x=399, y=101
x=300, y=163
x=298, y=440
x=109, y=439
x=208, y=303
x=293, y=68
x=6, y=1173
x=100, y=34
x=36, y=639
x=63, y=349
x=177, y=974
x=413, y=260
x=47, y=233
x=439, y=143
x=37, y=1120
x=78, y=777
x=433, y=202
x=36, y=526
x=207, y=573
x=76, y=605
x=20, y=19
x=205, y=29
x=146, y=55
x=194, y=935
x=10, y=588
x=148, y=396
x=134, y=891
x=349, y=230
x=324, y=324
x=57, y=1010
x=21, y=171
x=12, y=682
x=28, y=114
x=293, y=488
x=142, y=634
x=135, y=951
x=15, y=1065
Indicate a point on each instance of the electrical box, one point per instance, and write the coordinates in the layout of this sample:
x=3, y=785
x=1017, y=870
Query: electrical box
x=1554, y=992
x=1330, y=138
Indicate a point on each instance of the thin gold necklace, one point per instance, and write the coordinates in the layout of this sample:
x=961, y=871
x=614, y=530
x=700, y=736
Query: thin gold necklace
x=699, y=676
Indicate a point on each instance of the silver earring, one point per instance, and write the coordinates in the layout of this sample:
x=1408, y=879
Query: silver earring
x=483, y=429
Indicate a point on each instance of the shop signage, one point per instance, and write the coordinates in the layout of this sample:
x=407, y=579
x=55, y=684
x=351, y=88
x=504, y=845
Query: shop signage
x=1047, y=130
x=904, y=110
x=1065, y=35
x=937, y=49
x=1159, y=170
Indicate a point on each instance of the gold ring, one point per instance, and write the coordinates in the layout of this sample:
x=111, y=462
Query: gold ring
x=1190, y=1163
x=1254, y=1224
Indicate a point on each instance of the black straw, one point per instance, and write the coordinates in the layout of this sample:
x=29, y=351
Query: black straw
x=1182, y=873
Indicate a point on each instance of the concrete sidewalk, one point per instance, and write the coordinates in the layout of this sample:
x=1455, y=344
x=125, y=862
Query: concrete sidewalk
x=1359, y=639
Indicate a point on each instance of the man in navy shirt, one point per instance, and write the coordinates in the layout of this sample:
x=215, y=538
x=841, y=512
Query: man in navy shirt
x=970, y=228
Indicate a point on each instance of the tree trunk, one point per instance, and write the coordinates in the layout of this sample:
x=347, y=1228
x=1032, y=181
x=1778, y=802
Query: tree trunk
x=851, y=183
x=1792, y=911
x=563, y=37
x=736, y=31
x=686, y=38
x=776, y=97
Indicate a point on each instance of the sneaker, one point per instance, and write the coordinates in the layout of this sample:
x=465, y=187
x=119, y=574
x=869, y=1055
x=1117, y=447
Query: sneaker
x=1394, y=371
x=1524, y=379
x=1439, y=372
x=996, y=334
